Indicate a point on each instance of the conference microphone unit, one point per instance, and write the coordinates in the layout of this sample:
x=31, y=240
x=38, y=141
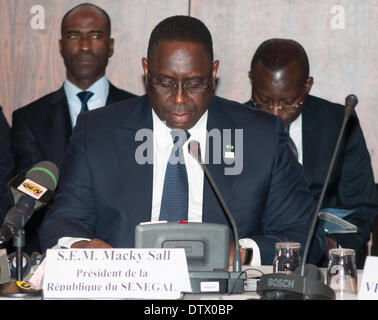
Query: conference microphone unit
x=307, y=281
x=28, y=193
x=236, y=277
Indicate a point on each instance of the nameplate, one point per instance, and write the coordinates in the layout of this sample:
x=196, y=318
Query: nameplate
x=115, y=274
x=369, y=282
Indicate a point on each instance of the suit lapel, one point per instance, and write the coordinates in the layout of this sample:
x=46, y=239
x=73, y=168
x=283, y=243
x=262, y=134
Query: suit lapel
x=62, y=130
x=217, y=121
x=311, y=123
x=60, y=123
x=60, y=111
x=112, y=96
x=138, y=121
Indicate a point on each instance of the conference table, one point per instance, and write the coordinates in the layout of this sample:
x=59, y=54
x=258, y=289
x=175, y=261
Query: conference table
x=253, y=273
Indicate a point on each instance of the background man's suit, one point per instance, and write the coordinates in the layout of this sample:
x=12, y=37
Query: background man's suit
x=106, y=193
x=6, y=166
x=351, y=184
x=40, y=131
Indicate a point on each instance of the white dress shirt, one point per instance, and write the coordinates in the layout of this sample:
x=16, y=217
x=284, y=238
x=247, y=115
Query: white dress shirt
x=295, y=133
x=163, y=144
x=100, y=90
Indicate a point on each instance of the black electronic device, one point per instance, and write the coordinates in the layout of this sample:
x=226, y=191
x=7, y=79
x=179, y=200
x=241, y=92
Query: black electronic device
x=206, y=248
x=28, y=194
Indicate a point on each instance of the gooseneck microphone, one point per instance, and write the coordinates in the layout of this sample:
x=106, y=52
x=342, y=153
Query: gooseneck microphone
x=28, y=193
x=306, y=282
x=195, y=151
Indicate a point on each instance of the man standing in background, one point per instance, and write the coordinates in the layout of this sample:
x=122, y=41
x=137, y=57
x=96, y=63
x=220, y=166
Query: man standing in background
x=40, y=130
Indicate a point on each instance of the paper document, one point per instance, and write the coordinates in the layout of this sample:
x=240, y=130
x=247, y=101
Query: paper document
x=333, y=221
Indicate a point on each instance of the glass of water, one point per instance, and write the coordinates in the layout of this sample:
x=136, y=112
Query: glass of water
x=287, y=257
x=342, y=273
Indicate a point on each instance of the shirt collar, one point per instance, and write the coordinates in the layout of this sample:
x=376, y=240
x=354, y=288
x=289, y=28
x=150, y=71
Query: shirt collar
x=197, y=132
x=296, y=126
x=100, y=89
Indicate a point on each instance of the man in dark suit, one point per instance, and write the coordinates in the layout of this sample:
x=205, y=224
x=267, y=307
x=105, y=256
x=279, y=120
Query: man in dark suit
x=6, y=166
x=280, y=85
x=118, y=170
x=40, y=130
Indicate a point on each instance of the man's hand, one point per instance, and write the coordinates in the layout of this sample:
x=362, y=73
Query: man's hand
x=330, y=244
x=232, y=252
x=94, y=243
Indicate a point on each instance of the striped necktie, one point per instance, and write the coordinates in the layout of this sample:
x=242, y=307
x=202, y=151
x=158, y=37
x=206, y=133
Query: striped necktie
x=175, y=198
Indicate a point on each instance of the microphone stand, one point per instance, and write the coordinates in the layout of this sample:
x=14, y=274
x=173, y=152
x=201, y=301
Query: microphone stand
x=307, y=281
x=347, y=114
x=19, y=243
x=19, y=288
x=236, y=277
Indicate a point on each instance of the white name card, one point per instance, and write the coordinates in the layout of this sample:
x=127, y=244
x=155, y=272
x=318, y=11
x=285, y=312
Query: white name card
x=369, y=282
x=115, y=274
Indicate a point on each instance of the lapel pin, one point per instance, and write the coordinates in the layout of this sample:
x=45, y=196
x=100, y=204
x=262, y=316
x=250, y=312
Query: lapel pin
x=229, y=154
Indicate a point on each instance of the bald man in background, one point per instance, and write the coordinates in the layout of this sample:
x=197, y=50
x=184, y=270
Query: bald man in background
x=281, y=84
x=41, y=130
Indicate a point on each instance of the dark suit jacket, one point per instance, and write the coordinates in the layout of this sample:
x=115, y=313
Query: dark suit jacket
x=351, y=184
x=105, y=193
x=40, y=131
x=6, y=166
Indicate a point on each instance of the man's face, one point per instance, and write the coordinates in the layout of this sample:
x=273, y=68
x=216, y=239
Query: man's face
x=180, y=80
x=278, y=92
x=85, y=46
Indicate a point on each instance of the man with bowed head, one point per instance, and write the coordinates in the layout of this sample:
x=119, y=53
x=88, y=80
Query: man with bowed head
x=105, y=193
x=41, y=130
x=280, y=85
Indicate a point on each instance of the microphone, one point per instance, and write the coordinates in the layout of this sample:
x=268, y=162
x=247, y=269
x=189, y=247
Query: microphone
x=29, y=193
x=350, y=103
x=195, y=151
x=307, y=282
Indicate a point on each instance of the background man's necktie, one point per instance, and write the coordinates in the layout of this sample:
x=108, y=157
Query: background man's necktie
x=84, y=97
x=175, y=198
x=292, y=144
